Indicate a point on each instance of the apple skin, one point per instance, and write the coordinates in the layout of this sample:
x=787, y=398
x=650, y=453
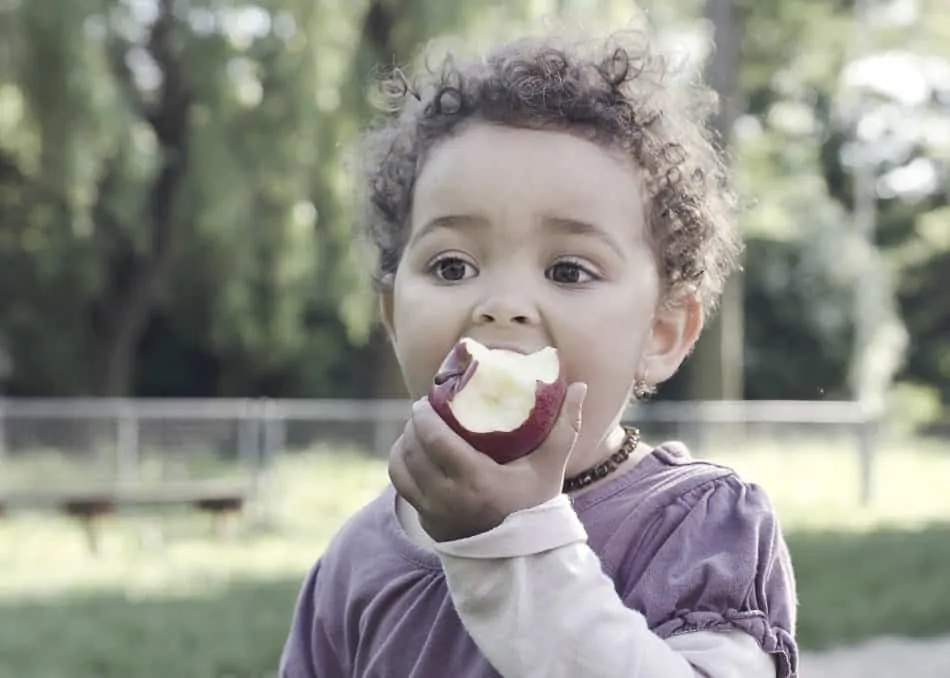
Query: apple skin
x=503, y=446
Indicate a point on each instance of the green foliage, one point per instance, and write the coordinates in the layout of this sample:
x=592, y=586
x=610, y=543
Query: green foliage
x=253, y=280
x=806, y=258
x=258, y=286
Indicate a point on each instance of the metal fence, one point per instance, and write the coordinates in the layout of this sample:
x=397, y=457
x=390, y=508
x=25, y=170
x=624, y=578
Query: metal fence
x=56, y=441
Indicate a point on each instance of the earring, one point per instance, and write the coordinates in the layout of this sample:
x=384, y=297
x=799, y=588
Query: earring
x=642, y=388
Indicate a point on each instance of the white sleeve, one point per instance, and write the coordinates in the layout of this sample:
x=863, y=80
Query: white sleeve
x=724, y=654
x=536, y=601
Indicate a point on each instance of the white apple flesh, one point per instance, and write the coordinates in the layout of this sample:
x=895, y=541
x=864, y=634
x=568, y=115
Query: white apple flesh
x=503, y=403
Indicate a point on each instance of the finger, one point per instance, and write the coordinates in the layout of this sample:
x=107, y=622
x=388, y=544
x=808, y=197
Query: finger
x=452, y=454
x=557, y=447
x=402, y=478
x=427, y=474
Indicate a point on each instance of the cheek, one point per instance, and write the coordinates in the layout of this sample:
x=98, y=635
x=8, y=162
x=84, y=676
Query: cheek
x=425, y=328
x=608, y=364
x=416, y=304
x=418, y=356
x=608, y=359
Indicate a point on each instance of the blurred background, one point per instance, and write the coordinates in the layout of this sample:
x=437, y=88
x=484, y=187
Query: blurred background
x=193, y=394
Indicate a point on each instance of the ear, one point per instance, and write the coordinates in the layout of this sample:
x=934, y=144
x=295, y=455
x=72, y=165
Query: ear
x=675, y=330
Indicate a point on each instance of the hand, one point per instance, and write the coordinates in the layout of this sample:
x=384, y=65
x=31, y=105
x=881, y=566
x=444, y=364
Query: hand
x=459, y=492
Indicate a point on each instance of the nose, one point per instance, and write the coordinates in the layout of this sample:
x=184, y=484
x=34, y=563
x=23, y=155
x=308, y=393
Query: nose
x=505, y=309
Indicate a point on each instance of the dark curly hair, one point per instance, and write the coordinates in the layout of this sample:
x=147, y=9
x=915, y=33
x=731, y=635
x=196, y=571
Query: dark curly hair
x=614, y=93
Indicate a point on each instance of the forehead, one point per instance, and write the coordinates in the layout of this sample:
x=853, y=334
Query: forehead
x=502, y=173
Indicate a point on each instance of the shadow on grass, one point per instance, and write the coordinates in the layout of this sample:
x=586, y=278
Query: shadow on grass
x=852, y=586
x=237, y=632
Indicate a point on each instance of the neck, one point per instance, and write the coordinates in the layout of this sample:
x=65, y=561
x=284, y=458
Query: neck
x=583, y=459
x=610, y=444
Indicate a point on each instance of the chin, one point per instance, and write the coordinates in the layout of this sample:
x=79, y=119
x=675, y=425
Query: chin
x=503, y=403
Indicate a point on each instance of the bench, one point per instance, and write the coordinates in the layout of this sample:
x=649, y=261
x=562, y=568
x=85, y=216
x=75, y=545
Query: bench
x=88, y=505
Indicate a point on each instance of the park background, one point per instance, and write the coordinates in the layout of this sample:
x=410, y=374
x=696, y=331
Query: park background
x=186, y=320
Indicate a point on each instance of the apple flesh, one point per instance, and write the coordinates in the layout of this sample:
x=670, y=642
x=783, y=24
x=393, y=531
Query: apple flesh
x=503, y=403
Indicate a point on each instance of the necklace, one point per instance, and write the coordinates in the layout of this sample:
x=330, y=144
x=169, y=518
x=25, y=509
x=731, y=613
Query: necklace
x=605, y=468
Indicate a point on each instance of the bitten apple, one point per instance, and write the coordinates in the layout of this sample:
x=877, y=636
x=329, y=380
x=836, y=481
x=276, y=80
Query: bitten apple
x=503, y=403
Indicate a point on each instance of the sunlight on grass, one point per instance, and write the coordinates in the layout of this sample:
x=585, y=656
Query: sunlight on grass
x=819, y=487
x=303, y=502
x=306, y=497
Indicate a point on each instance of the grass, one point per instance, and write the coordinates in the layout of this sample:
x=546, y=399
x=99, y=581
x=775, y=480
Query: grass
x=302, y=504
x=232, y=632
x=163, y=599
x=818, y=486
x=857, y=585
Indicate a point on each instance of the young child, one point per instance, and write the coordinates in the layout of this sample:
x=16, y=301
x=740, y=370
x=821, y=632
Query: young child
x=553, y=193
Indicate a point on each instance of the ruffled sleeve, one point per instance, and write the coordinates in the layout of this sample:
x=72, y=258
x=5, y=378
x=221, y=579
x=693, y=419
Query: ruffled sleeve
x=717, y=561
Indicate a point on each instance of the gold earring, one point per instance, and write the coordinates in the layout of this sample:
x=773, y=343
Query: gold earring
x=641, y=386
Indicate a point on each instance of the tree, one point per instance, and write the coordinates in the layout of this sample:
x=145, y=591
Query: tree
x=173, y=189
x=105, y=198
x=717, y=364
x=176, y=217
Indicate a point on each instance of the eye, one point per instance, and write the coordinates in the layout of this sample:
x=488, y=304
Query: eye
x=452, y=269
x=569, y=273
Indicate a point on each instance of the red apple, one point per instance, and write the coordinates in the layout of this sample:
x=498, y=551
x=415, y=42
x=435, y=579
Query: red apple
x=503, y=403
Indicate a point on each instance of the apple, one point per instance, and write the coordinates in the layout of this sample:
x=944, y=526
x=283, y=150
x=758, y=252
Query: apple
x=503, y=403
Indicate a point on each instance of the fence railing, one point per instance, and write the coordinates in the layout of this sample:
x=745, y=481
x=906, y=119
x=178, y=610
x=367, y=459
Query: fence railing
x=52, y=441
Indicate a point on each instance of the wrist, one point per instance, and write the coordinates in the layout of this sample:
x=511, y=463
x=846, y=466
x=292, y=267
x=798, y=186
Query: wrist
x=544, y=527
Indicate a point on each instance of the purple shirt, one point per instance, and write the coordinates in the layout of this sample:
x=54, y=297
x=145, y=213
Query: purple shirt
x=686, y=542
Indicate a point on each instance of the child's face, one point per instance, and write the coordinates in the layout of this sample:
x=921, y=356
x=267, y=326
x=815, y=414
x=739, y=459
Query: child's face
x=523, y=238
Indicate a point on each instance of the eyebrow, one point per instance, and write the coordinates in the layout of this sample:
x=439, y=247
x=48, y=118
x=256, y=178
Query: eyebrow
x=570, y=226
x=451, y=222
x=564, y=225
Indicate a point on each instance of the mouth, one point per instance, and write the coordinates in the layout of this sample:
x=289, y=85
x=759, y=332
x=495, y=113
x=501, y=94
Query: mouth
x=505, y=346
x=461, y=374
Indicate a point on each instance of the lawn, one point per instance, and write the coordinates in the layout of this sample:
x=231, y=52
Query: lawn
x=164, y=599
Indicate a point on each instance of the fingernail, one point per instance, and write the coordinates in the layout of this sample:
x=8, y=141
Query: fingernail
x=578, y=416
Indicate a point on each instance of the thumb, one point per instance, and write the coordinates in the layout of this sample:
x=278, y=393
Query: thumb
x=558, y=446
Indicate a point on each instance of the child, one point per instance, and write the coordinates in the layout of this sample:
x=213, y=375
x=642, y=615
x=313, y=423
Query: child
x=551, y=194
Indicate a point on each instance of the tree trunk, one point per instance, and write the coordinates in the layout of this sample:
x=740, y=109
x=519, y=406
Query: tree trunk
x=130, y=304
x=716, y=368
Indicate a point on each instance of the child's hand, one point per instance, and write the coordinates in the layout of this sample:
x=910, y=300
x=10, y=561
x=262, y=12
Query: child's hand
x=460, y=492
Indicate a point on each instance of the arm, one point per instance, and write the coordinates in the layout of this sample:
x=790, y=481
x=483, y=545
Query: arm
x=534, y=598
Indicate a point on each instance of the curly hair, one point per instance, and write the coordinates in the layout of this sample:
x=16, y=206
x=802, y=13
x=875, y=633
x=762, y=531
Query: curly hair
x=616, y=94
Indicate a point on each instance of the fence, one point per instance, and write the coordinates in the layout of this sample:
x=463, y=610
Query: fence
x=50, y=442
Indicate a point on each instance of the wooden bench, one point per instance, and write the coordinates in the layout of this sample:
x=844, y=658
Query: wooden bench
x=88, y=505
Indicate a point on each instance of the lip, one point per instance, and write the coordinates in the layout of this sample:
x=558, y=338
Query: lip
x=509, y=348
x=506, y=346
